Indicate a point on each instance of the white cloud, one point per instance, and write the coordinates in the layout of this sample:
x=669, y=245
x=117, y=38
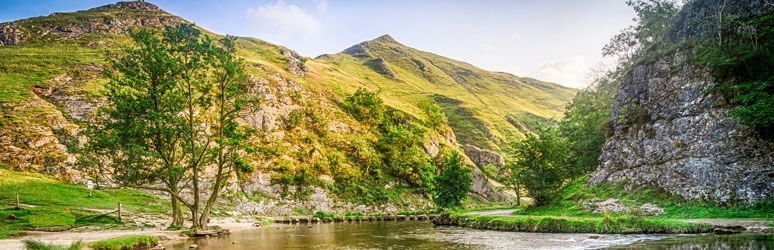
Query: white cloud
x=321, y=5
x=569, y=71
x=282, y=20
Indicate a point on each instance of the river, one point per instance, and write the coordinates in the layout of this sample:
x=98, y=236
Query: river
x=424, y=235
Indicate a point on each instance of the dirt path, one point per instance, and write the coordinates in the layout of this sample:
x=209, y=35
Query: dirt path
x=754, y=226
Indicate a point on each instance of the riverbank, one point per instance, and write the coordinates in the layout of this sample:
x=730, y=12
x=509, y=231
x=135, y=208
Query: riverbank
x=506, y=220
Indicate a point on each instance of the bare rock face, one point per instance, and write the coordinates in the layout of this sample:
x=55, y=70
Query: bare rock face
x=295, y=63
x=9, y=34
x=616, y=206
x=483, y=157
x=671, y=132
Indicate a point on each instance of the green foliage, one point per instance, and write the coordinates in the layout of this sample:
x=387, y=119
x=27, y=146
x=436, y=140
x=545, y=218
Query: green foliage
x=296, y=118
x=587, y=123
x=540, y=161
x=398, y=141
x=156, y=127
x=740, y=56
x=453, y=184
x=609, y=225
x=126, y=242
x=435, y=118
x=366, y=107
x=321, y=215
x=243, y=166
x=40, y=245
x=574, y=194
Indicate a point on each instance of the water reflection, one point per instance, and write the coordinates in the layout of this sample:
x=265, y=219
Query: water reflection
x=740, y=241
x=402, y=235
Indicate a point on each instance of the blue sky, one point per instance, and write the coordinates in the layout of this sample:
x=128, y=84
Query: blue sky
x=552, y=40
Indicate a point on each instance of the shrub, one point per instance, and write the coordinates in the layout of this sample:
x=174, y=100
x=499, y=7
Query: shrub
x=40, y=245
x=453, y=184
x=127, y=242
x=321, y=214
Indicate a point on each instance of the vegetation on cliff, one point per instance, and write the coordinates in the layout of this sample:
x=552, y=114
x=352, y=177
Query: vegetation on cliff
x=739, y=53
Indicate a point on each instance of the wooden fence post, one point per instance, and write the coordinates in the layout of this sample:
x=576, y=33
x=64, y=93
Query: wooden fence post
x=119, y=212
x=17, y=200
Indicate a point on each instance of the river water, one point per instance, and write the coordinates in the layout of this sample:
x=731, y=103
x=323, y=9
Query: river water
x=423, y=235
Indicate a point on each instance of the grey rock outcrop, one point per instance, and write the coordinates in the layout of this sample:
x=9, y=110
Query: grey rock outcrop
x=295, y=63
x=616, y=206
x=670, y=132
x=483, y=157
x=9, y=34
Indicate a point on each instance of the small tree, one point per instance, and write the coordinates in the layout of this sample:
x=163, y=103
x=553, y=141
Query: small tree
x=454, y=183
x=435, y=117
x=540, y=164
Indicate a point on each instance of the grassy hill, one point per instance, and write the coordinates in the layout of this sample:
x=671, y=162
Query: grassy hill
x=485, y=109
x=51, y=82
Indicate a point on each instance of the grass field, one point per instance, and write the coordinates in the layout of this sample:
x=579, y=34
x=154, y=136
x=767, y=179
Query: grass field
x=606, y=225
x=47, y=202
x=675, y=207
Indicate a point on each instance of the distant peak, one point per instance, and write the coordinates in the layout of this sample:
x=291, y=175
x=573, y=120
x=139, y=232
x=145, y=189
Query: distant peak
x=132, y=5
x=386, y=38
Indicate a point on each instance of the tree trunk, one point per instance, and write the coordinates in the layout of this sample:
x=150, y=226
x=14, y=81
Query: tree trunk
x=518, y=196
x=177, y=213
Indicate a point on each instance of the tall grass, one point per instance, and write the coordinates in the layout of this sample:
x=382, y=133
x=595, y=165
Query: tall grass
x=40, y=245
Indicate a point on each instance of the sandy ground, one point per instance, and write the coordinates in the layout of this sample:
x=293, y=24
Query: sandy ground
x=66, y=238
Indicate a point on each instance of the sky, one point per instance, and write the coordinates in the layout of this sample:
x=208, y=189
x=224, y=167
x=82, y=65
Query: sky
x=551, y=40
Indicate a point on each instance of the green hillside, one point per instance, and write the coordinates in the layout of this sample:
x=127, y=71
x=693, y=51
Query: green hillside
x=51, y=83
x=485, y=109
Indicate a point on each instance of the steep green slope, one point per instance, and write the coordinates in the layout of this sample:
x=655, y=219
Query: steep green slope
x=485, y=109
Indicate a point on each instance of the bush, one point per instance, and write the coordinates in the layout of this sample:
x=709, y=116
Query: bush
x=453, y=185
x=40, y=245
x=541, y=164
x=127, y=242
x=321, y=215
x=435, y=118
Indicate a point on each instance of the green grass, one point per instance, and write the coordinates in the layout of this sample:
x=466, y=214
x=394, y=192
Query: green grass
x=477, y=102
x=607, y=225
x=674, y=206
x=40, y=245
x=128, y=242
x=49, y=203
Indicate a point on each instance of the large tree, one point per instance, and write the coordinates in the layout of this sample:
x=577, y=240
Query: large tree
x=172, y=104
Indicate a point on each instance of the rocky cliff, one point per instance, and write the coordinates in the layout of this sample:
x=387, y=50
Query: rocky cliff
x=671, y=132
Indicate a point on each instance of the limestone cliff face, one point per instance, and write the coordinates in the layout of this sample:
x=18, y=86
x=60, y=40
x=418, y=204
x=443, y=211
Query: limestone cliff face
x=669, y=131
